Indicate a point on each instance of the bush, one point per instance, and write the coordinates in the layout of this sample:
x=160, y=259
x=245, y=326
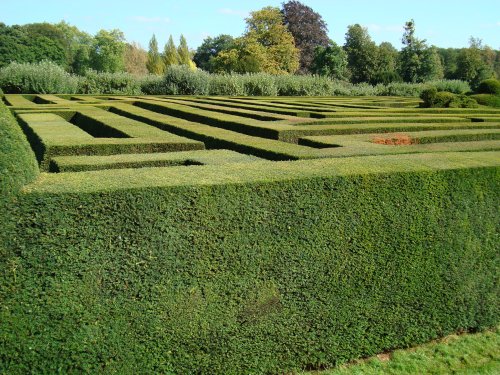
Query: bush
x=181, y=80
x=226, y=84
x=288, y=85
x=152, y=85
x=109, y=83
x=385, y=78
x=401, y=89
x=44, y=77
x=489, y=100
x=432, y=98
x=259, y=84
x=489, y=86
x=463, y=101
x=454, y=86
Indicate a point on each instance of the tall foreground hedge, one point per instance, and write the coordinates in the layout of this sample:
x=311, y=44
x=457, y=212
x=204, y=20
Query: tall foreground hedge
x=17, y=167
x=271, y=272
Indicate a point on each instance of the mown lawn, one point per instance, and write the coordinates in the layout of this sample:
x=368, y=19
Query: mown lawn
x=456, y=354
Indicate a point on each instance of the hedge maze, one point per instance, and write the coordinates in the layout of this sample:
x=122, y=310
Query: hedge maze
x=270, y=129
x=241, y=234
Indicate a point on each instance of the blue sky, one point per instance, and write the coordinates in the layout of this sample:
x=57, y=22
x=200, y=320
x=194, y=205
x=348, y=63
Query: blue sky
x=445, y=23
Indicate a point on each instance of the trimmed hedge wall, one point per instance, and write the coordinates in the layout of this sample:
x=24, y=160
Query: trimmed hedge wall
x=192, y=275
x=17, y=167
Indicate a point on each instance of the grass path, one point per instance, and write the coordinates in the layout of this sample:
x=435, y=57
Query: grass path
x=477, y=353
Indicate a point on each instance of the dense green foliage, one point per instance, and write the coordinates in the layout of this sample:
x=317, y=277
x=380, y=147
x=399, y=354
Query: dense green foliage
x=330, y=61
x=161, y=248
x=442, y=99
x=33, y=78
x=37, y=78
x=107, y=52
x=475, y=63
x=196, y=281
x=109, y=83
x=267, y=46
x=488, y=99
x=272, y=42
x=179, y=80
x=17, y=168
x=418, y=62
x=210, y=48
x=154, y=63
x=489, y=86
x=31, y=43
x=361, y=53
x=170, y=53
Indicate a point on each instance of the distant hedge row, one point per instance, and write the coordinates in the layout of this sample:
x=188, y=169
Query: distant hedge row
x=47, y=77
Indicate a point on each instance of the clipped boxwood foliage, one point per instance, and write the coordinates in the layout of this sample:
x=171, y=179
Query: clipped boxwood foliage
x=17, y=165
x=489, y=100
x=489, y=86
x=221, y=279
x=163, y=237
x=442, y=99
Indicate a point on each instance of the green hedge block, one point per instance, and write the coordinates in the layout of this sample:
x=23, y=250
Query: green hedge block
x=51, y=135
x=141, y=256
x=206, y=276
x=201, y=157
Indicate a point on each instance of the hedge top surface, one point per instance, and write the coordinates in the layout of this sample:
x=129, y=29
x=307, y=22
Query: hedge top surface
x=308, y=136
x=242, y=173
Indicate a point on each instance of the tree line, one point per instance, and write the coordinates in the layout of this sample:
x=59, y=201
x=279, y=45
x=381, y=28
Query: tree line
x=288, y=40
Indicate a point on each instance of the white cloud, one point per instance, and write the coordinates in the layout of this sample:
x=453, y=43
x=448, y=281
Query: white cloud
x=498, y=23
x=144, y=19
x=233, y=12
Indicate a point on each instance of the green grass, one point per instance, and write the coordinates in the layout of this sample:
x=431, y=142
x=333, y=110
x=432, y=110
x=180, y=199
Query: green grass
x=477, y=353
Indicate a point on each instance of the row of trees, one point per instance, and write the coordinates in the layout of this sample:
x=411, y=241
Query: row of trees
x=292, y=39
x=71, y=48
x=272, y=33
x=172, y=55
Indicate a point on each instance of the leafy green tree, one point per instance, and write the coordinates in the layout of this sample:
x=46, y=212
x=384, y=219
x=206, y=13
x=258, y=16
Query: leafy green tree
x=77, y=45
x=107, y=51
x=183, y=51
x=81, y=60
x=30, y=43
x=265, y=28
x=418, y=62
x=449, y=59
x=308, y=29
x=361, y=53
x=330, y=61
x=386, y=66
x=246, y=56
x=210, y=48
x=135, y=59
x=496, y=64
x=267, y=46
x=170, y=54
x=472, y=63
x=154, y=62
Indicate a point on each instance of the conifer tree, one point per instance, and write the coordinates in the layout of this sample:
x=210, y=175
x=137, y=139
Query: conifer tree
x=154, y=62
x=183, y=52
x=170, y=54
